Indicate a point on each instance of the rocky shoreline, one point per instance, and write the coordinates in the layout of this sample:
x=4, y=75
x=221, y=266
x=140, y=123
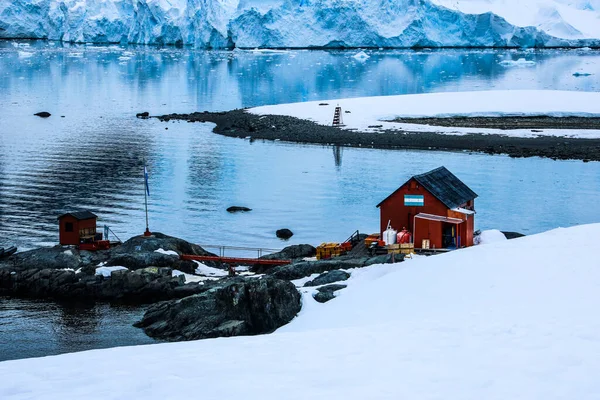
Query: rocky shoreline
x=187, y=300
x=241, y=124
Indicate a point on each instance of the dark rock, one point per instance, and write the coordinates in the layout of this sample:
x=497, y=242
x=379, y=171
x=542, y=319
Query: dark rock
x=140, y=252
x=43, y=114
x=232, y=307
x=297, y=251
x=143, y=115
x=324, y=297
x=513, y=235
x=328, y=277
x=306, y=268
x=284, y=233
x=347, y=112
x=146, y=285
x=375, y=126
x=326, y=293
x=323, y=104
x=234, y=209
x=331, y=288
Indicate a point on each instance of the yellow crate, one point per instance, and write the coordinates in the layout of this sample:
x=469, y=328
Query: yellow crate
x=407, y=246
x=393, y=246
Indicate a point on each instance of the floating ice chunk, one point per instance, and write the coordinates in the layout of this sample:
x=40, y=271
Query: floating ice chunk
x=521, y=62
x=24, y=54
x=361, y=56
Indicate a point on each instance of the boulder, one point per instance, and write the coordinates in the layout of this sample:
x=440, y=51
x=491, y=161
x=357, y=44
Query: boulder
x=294, y=252
x=513, y=235
x=328, y=277
x=145, y=285
x=57, y=257
x=234, y=209
x=234, y=306
x=43, y=114
x=324, y=297
x=326, y=293
x=141, y=252
x=143, y=115
x=331, y=288
x=306, y=268
x=284, y=233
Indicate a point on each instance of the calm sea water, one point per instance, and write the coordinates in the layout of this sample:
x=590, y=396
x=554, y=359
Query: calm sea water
x=93, y=157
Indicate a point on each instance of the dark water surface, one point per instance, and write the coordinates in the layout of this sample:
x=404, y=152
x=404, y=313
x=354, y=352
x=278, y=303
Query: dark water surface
x=30, y=328
x=94, y=156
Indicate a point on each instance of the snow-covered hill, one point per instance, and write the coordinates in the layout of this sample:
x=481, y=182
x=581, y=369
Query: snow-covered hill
x=515, y=319
x=307, y=23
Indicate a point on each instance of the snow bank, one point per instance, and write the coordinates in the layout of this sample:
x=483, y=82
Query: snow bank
x=491, y=236
x=371, y=111
x=167, y=252
x=107, y=271
x=205, y=270
x=510, y=320
x=299, y=23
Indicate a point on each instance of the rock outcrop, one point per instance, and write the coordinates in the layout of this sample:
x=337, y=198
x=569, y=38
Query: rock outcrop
x=234, y=209
x=284, y=233
x=328, y=277
x=306, y=268
x=294, y=252
x=51, y=272
x=326, y=293
x=232, y=307
x=143, y=286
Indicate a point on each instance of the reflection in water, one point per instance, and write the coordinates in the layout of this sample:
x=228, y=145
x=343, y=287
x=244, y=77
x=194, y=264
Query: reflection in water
x=30, y=328
x=337, y=155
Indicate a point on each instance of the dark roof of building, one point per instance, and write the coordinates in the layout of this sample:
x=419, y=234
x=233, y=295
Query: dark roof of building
x=444, y=185
x=79, y=215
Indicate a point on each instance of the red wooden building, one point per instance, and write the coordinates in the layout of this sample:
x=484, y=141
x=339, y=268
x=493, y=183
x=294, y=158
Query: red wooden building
x=78, y=227
x=437, y=207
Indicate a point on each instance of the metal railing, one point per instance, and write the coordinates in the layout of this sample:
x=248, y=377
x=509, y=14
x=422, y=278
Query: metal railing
x=259, y=251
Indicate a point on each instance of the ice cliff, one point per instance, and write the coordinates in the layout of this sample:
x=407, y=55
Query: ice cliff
x=307, y=23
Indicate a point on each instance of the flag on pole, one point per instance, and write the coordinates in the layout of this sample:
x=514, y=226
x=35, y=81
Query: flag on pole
x=146, y=180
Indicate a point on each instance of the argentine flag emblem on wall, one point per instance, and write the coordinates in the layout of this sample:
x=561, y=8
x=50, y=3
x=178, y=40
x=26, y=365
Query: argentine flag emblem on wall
x=414, y=200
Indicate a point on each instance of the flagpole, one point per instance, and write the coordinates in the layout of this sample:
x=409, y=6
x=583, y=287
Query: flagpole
x=147, y=232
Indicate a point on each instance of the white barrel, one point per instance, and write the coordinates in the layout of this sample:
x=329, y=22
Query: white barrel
x=390, y=235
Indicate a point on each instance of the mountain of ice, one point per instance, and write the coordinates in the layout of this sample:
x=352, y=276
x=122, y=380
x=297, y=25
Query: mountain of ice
x=307, y=23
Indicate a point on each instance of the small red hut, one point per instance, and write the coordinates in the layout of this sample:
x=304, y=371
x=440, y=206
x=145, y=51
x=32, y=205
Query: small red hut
x=77, y=227
x=437, y=207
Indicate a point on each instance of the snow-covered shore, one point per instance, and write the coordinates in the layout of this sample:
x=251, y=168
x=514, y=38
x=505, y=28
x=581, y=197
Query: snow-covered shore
x=514, y=319
x=364, y=113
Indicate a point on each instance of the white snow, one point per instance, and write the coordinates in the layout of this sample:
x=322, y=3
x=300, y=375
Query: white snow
x=167, y=252
x=374, y=111
x=515, y=319
x=189, y=277
x=490, y=236
x=300, y=23
x=107, y=271
x=205, y=270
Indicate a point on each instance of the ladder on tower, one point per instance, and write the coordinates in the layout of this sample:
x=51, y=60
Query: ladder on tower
x=337, y=116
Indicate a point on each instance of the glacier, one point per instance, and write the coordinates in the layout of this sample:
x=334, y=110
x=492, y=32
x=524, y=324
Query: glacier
x=307, y=23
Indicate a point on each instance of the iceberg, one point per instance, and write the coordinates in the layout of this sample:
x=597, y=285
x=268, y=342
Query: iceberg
x=251, y=24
